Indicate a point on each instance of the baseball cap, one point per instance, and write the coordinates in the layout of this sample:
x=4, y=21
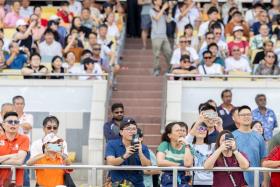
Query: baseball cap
x=54, y=17
x=127, y=122
x=237, y=28
x=50, y=138
x=20, y=22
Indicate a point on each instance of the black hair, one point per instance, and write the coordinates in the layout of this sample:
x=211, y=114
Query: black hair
x=258, y=5
x=236, y=12
x=116, y=105
x=54, y=59
x=87, y=61
x=183, y=125
x=1, y=30
x=103, y=25
x=243, y=108
x=205, y=140
x=86, y=51
x=219, y=137
x=254, y=123
x=37, y=7
x=225, y=91
x=51, y=119
x=85, y=9
x=212, y=10
x=35, y=54
x=9, y=114
x=94, y=33
x=211, y=45
x=208, y=33
x=17, y=97
x=168, y=130
x=127, y=122
x=207, y=52
x=206, y=106
x=188, y=26
x=49, y=31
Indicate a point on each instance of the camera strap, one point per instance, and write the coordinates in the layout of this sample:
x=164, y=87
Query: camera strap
x=230, y=174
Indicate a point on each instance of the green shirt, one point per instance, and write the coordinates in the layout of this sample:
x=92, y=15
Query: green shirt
x=172, y=154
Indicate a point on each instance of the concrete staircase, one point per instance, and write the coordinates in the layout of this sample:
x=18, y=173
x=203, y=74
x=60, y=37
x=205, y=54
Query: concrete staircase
x=140, y=91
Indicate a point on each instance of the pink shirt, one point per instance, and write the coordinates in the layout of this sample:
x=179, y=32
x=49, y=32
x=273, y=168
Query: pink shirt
x=11, y=19
x=242, y=45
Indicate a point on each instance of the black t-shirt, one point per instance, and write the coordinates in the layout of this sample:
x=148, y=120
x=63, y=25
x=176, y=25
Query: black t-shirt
x=58, y=77
x=260, y=56
x=188, y=69
x=34, y=76
x=213, y=137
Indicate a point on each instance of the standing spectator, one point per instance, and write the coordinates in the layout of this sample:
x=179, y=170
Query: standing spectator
x=120, y=152
x=171, y=153
x=50, y=128
x=265, y=115
x=209, y=67
x=34, y=67
x=238, y=40
x=111, y=128
x=272, y=161
x=50, y=47
x=258, y=127
x=237, y=62
x=158, y=35
x=133, y=18
x=250, y=143
x=145, y=20
x=75, y=6
x=227, y=155
x=13, y=149
x=6, y=107
x=263, y=20
x=12, y=17
x=17, y=58
x=52, y=155
x=268, y=66
x=25, y=10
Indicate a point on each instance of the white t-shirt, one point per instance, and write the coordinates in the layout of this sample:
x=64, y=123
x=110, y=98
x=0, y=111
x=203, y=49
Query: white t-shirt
x=37, y=148
x=203, y=28
x=214, y=69
x=76, y=8
x=177, y=55
x=26, y=12
x=25, y=118
x=113, y=31
x=50, y=50
x=237, y=65
x=97, y=70
x=191, y=16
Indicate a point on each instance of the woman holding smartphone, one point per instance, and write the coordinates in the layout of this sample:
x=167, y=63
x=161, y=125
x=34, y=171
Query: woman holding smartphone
x=227, y=155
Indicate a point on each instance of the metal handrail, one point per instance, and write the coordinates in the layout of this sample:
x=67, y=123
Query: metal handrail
x=224, y=76
x=174, y=170
x=53, y=74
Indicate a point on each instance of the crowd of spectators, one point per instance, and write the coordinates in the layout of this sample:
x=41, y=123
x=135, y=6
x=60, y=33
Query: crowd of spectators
x=78, y=37
x=217, y=38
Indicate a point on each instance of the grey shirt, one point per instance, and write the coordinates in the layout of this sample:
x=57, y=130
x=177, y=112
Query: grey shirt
x=262, y=69
x=158, y=26
x=146, y=9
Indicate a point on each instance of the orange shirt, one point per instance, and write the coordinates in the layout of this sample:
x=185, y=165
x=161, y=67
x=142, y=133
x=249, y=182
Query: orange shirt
x=50, y=177
x=20, y=143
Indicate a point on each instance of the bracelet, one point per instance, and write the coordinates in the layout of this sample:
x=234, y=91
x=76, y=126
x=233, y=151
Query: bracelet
x=123, y=157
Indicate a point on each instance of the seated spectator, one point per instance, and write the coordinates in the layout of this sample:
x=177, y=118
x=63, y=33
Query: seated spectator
x=121, y=152
x=3, y=54
x=188, y=33
x=268, y=65
x=82, y=30
x=272, y=161
x=113, y=31
x=209, y=67
x=86, y=19
x=53, y=25
x=13, y=149
x=57, y=67
x=96, y=51
x=230, y=16
x=72, y=45
x=5, y=39
x=64, y=13
x=197, y=151
x=23, y=36
x=227, y=7
x=71, y=66
x=4, y=9
x=263, y=19
x=227, y=155
x=219, y=40
x=50, y=128
x=102, y=36
x=207, y=6
x=25, y=10
x=12, y=17
x=52, y=155
x=94, y=9
x=111, y=128
x=34, y=67
x=17, y=57
x=214, y=49
x=252, y=14
x=209, y=38
x=236, y=62
x=184, y=68
x=75, y=7
x=258, y=127
x=91, y=67
x=267, y=46
x=274, y=11
x=239, y=41
x=38, y=30
x=258, y=40
x=172, y=153
x=38, y=12
x=184, y=49
x=50, y=47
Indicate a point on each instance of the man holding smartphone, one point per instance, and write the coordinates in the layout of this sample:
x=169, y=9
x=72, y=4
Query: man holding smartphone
x=122, y=152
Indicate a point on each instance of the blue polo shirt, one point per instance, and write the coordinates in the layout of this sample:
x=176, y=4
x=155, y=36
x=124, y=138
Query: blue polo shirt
x=116, y=148
x=18, y=62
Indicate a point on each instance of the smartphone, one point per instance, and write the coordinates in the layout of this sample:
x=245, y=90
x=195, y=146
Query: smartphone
x=229, y=137
x=135, y=140
x=210, y=114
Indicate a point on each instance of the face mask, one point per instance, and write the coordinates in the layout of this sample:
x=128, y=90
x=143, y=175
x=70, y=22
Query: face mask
x=54, y=147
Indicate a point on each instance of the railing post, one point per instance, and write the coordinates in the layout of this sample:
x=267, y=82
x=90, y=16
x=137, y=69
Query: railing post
x=94, y=176
x=256, y=178
x=175, y=176
x=13, y=170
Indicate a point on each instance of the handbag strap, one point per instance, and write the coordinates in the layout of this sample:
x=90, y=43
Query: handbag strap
x=204, y=69
x=229, y=173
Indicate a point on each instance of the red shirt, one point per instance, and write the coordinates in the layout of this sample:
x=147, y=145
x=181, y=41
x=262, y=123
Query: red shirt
x=64, y=15
x=20, y=143
x=242, y=45
x=274, y=155
x=44, y=22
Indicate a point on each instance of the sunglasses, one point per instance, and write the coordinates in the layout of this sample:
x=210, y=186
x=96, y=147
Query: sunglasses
x=97, y=49
x=270, y=56
x=12, y=122
x=183, y=42
x=52, y=127
x=201, y=129
x=207, y=57
x=235, y=50
x=186, y=61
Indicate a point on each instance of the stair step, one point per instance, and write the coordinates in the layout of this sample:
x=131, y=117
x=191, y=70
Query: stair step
x=140, y=86
x=139, y=94
x=152, y=139
x=137, y=52
x=137, y=78
x=147, y=118
x=149, y=128
x=137, y=110
x=138, y=102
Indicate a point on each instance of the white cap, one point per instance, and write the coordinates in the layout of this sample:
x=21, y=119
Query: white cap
x=50, y=138
x=20, y=22
x=54, y=17
x=237, y=28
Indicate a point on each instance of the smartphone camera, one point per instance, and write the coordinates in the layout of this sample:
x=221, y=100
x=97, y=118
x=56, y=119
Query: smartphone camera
x=229, y=137
x=135, y=141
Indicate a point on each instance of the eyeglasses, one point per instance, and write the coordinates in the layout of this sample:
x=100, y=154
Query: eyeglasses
x=201, y=129
x=245, y=115
x=118, y=112
x=270, y=56
x=207, y=57
x=52, y=128
x=12, y=122
x=130, y=129
x=96, y=49
x=218, y=33
x=183, y=41
x=212, y=38
x=235, y=50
